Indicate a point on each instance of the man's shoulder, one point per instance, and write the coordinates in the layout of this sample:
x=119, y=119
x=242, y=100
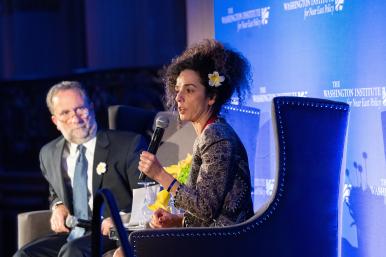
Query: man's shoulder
x=52, y=144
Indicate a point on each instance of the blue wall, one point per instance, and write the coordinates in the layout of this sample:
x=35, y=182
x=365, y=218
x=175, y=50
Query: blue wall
x=134, y=33
x=54, y=38
x=41, y=38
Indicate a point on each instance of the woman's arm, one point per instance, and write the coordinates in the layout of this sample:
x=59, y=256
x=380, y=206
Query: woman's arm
x=205, y=197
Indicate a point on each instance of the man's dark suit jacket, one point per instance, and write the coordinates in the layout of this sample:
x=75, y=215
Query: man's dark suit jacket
x=118, y=149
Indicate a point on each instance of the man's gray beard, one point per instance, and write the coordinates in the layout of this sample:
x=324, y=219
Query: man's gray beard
x=79, y=141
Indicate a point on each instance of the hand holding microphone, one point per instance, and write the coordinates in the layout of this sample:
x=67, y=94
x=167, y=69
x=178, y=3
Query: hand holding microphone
x=57, y=220
x=72, y=222
x=146, y=161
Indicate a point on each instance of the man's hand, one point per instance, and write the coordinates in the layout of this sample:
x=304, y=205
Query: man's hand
x=118, y=253
x=106, y=225
x=58, y=219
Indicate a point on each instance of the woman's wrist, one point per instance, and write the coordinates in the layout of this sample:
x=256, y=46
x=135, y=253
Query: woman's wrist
x=171, y=185
x=165, y=179
x=179, y=220
x=176, y=187
x=168, y=182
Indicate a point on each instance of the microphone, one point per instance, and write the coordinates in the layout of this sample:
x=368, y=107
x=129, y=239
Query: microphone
x=72, y=222
x=161, y=123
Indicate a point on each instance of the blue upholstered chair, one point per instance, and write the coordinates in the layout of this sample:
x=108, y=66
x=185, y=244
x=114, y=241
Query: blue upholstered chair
x=302, y=218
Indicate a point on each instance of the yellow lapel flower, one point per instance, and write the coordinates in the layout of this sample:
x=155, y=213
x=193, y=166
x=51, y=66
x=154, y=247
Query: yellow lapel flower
x=215, y=79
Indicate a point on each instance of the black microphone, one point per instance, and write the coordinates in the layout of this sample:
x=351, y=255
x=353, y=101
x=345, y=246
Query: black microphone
x=72, y=222
x=161, y=123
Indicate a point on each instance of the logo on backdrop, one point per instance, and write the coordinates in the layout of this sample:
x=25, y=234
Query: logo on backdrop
x=379, y=190
x=263, y=186
x=339, y=5
x=357, y=97
x=314, y=7
x=264, y=97
x=247, y=19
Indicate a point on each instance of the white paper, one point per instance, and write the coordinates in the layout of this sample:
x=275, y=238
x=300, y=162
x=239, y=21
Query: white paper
x=138, y=203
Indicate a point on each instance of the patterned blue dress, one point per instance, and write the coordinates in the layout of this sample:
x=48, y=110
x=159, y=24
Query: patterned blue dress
x=218, y=191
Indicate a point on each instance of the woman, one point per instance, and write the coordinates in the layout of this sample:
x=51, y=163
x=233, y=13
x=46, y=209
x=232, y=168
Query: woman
x=218, y=191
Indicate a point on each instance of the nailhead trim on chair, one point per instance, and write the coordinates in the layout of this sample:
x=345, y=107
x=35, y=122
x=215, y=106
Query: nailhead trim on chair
x=308, y=102
x=241, y=109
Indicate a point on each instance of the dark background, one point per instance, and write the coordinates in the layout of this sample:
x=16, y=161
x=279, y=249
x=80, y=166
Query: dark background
x=115, y=48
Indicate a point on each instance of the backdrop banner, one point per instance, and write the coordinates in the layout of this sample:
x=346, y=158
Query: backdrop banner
x=332, y=49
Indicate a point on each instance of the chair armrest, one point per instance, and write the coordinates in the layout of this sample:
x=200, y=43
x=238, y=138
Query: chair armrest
x=32, y=225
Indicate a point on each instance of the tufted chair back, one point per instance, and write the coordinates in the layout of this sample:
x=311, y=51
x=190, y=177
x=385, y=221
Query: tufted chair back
x=303, y=215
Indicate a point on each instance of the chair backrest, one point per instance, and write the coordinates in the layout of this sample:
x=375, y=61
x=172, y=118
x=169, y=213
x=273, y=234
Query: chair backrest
x=179, y=137
x=245, y=121
x=128, y=118
x=177, y=140
x=303, y=216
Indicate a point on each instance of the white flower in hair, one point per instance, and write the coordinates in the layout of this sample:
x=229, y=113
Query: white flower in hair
x=101, y=168
x=215, y=79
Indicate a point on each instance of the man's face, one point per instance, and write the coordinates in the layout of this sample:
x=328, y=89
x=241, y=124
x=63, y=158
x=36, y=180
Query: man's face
x=73, y=116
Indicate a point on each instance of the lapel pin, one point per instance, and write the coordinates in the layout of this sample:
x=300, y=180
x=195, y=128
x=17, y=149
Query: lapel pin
x=101, y=168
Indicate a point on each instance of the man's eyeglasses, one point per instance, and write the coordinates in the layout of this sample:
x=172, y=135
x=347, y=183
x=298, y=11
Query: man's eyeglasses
x=66, y=115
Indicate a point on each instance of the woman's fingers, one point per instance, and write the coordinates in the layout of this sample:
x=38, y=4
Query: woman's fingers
x=162, y=219
x=145, y=161
x=149, y=164
x=147, y=157
x=155, y=219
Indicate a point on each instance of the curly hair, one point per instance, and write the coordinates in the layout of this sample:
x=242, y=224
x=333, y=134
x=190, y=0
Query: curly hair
x=205, y=58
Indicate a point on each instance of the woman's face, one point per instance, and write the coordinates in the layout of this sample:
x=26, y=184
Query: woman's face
x=192, y=102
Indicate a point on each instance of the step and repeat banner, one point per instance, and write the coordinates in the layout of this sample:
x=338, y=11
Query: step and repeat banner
x=332, y=49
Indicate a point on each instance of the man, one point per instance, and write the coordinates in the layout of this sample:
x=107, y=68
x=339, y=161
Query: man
x=76, y=165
